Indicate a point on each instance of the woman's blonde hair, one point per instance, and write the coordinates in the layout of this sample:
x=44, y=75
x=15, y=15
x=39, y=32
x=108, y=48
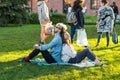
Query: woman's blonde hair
x=62, y=26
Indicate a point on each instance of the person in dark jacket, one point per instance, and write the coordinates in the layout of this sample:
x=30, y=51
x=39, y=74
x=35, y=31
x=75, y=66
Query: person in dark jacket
x=77, y=7
x=115, y=9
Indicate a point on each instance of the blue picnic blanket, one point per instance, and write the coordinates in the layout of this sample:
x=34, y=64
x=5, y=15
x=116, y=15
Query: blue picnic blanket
x=43, y=62
x=85, y=63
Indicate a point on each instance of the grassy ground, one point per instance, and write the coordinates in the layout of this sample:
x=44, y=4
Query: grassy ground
x=17, y=42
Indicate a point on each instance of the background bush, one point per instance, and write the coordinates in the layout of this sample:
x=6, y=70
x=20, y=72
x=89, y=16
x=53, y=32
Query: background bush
x=55, y=18
x=33, y=18
x=13, y=11
x=3, y=21
x=58, y=17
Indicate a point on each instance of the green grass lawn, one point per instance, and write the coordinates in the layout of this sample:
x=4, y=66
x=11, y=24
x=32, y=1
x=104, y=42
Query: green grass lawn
x=17, y=42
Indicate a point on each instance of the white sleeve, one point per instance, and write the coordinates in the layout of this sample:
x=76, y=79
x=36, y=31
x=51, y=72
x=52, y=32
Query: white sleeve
x=68, y=50
x=69, y=9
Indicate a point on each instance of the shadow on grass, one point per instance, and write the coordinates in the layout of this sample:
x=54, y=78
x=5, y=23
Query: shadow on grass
x=115, y=76
x=110, y=47
x=14, y=70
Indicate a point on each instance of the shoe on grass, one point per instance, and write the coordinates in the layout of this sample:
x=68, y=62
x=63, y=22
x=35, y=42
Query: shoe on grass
x=23, y=60
x=97, y=45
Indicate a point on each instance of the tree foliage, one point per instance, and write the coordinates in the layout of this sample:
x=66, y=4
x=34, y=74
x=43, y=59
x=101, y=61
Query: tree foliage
x=15, y=11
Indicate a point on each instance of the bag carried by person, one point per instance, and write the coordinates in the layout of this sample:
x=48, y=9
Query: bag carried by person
x=81, y=38
x=114, y=36
x=49, y=29
x=71, y=18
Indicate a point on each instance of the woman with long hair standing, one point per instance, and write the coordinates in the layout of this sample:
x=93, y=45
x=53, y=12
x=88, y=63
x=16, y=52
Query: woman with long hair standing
x=77, y=7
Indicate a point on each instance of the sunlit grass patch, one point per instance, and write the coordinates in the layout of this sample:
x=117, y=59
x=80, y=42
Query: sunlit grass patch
x=17, y=42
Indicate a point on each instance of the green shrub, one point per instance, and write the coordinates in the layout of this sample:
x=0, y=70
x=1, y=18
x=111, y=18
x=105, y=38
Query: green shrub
x=13, y=11
x=33, y=18
x=3, y=21
x=58, y=17
x=90, y=19
x=55, y=18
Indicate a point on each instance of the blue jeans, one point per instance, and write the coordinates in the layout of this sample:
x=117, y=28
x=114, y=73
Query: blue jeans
x=115, y=19
x=82, y=55
x=72, y=32
x=107, y=37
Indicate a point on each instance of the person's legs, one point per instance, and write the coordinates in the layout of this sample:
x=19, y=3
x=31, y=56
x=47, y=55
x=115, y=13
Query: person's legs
x=30, y=56
x=108, y=38
x=115, y=19
x=46, y=55
x=99, y=37
x=90, y=55
x=42, y=34
x=82, y=55
x=34, y=53
x=73, y=29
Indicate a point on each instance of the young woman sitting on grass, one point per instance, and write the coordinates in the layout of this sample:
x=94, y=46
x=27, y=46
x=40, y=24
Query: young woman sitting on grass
x=69, y=54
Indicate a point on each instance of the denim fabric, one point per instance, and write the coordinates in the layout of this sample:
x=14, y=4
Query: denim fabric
x=73, y=30
x=107, y=37
x=115, y=18
x=82, y=55
x=55, y=47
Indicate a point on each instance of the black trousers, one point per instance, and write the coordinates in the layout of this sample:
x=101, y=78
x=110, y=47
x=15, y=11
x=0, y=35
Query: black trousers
x=46, y=55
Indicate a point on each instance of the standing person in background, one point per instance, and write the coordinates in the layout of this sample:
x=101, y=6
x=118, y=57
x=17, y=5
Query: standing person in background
x=69, y=8
x=70, y=4
x=51, y=12
x=77, y=7
x=43, y=15
x=116, y=12
x=105, y=21
x=84, y=10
